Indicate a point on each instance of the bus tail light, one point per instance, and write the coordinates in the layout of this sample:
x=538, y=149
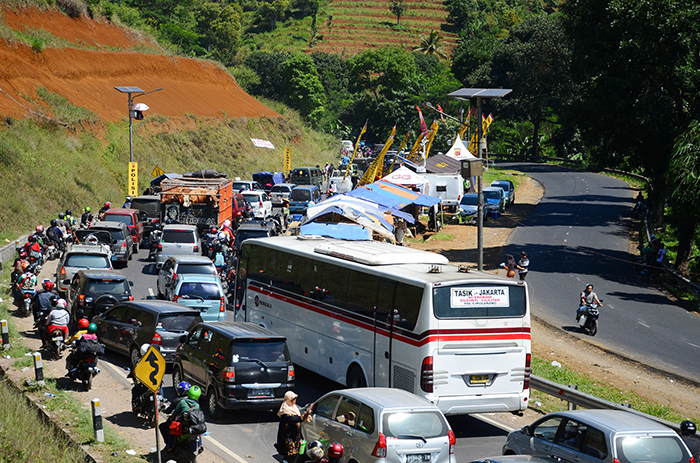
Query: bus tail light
x=230, y=374
x=453, y=441
x=528, y=372
x=156, y=340
x=290, y=373
x=426, y=375
x=380, y=448
x=222, y=305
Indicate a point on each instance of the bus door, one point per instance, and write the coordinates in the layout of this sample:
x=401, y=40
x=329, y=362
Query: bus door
x=383, y=333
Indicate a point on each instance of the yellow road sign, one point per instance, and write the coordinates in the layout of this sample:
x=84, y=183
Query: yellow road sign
x=150, y=369
x=157, y=172
x=287, y=159
x=133, y=178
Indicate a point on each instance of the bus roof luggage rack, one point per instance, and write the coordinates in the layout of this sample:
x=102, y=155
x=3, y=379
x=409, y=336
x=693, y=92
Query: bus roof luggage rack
x=377, y=253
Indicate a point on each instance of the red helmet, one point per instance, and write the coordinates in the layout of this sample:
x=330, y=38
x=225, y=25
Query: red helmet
x=83, y=323
x=107, y=204
x=335, y=450
x=214, y=230
x=22, y=253
x=39, y=228
x=48, y=285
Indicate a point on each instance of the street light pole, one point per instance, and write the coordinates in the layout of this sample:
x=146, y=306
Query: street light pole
x=133, y=93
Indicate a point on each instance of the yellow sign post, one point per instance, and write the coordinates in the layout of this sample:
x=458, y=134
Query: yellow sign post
x=157, y=172
x=150, y=369
x=287, y=159
x=133, y=178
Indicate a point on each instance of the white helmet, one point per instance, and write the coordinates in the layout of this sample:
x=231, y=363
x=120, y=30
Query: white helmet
x=222, y=236
x=144, y=349
x=61, y=303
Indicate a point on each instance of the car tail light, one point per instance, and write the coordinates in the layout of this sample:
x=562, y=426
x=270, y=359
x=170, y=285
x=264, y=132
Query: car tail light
x=230, y=374
x=160, y=247
x=615, y=460
x=196, y=248
x=157, y=340
x=63, y=272
x=175, y=298
x=692, y=460
x=81, y=299
x=290, y=373
x=453, y=441
x=131, y=298
x=222, y=305
x=426, y=375
x=528, y=372
x=124, y=243
x=261, y=204
x=380, y=448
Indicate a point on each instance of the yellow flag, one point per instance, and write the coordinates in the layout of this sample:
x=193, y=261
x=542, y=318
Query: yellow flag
x=401, y=146
x=352, y=158
x=485, y=124
x=431, y=137
x=376, y=167
x=416, y=147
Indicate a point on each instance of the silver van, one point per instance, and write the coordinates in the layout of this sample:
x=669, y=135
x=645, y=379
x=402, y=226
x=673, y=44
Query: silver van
x=381, y=425
x=178, y=240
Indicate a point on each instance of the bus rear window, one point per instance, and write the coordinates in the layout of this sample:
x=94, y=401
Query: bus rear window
x=479, y=301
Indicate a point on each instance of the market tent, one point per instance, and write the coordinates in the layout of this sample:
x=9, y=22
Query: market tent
x=443, y=164
x=459, y=151
x=368, y=217
x=403, y=193
x=369, y=201
x=406, y=177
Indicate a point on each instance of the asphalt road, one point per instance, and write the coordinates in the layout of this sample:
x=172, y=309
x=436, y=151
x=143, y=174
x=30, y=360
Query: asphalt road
x=249, y=436
x=578, y=234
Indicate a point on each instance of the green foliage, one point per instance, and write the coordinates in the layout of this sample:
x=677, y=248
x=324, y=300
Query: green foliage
x=220, y=30
x=63, y=110
x=304, y=90
x=398, y=8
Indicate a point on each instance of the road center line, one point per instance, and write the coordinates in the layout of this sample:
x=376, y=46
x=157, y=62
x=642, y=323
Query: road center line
x=694, y=345
x=150, y=291
x=224, y=449
x=643, y=324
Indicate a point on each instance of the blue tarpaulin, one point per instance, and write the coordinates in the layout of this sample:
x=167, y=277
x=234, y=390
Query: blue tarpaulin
x=268, y=177
x=341, y=231
x=404, y=193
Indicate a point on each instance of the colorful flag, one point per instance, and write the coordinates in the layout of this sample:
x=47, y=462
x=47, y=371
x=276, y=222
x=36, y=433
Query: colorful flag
x=431, y=137
x=352, y=158
x=442, y=116
x=377, y=166
x=423, y=126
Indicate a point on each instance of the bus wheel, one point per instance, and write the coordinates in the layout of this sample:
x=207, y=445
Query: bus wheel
x=356, y=378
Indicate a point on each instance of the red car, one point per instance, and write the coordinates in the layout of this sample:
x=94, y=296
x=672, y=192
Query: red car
x=132, y=219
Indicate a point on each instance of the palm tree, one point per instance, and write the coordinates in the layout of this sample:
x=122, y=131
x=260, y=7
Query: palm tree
x=431, y=45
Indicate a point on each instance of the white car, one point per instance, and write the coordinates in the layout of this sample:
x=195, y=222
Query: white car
x=347, y=146
x=342, y=184
x=260, y=203
x=279, y=192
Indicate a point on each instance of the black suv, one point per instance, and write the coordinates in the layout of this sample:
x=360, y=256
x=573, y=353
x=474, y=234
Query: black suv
x=150, y=212
x=237, y=365
x=252, y=229
x=93, y=291
x=127, y=326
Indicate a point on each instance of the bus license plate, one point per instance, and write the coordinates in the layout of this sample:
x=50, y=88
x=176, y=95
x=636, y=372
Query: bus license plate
x=418, y=458
x=479, y=379
x=259, y=392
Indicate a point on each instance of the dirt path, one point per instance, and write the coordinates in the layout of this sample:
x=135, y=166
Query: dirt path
x=548, y=342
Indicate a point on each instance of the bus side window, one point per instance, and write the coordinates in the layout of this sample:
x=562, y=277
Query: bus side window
x=362, y=293
x=335, y=281
x=309, y=278
x=407, y=303
x=385, y=299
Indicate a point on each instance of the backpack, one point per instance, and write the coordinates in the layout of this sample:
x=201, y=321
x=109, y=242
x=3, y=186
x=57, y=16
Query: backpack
x=193, y=420
x=90, y=348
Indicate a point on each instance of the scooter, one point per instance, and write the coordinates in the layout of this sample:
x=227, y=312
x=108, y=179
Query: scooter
x=25, y=306
x=155, y=239
x=142, y=402
x=187, y=448
x=589, y=319
x=56, y=343
x=86, y=369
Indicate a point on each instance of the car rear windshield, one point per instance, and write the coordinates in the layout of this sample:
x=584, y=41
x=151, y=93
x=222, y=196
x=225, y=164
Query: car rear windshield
x=87, y=261
x=415, y=425
x=123, y=218
x=300, y=195
x=479, y=300
x=207, y=291
x=280, y=189
x=238, y=185
x=178, y=236
x=493, y=194
x=116, y=234
x=107, y=286
x=177, y=322
x=199, y=269
x=242, y=235
x=469, y=200
x=148, y=206
x=659, y=449
x=252, y=198
x=264, y=351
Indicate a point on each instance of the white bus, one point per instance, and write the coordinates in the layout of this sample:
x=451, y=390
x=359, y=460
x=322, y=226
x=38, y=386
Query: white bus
x=369, y=313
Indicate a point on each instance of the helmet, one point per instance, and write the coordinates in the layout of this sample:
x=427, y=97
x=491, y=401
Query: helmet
x=22, y=253
x=54, y=222
x=144, y=349
x=227, y=223
x=25, y=266
x=83, y=323
x=47, y=284
x=222, y=236
x=107, y=204
x=32, y=239
x=194, y=392
x=335, y=450
x=129, y=198
x=61, y=215
x=181, y=388
x=214, y=230
x=315, y=453
x=688, y=428
x=69, y=212
x=61, y=304
x=314, y=444
x=92, y=328
x=88, y=210
x=39, y=228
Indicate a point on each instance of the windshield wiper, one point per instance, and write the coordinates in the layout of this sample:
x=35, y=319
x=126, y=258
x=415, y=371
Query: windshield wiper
x=411, y=436
x=257, y=361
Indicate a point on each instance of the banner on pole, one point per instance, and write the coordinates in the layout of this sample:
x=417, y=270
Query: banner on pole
x=133, y=178
x=287, y=159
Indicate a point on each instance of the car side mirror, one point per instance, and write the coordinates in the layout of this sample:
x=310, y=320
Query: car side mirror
x=131, y=283
x=183, y=338
x=159, y=266
x=143, y=216
x=134, y=232
x=525, y=429
x=114, y=241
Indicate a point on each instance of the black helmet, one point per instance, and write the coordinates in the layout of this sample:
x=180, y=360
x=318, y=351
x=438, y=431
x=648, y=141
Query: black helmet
x=688, y=428
x=68, y=212
x=54, y=222
x=61, y=215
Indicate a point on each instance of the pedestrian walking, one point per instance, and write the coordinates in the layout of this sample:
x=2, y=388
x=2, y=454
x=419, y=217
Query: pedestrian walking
x=523, y=265
x=289, y=431
x=510, y=266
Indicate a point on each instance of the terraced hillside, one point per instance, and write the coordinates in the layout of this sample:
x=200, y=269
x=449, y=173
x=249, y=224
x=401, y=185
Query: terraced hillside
x=358, y=26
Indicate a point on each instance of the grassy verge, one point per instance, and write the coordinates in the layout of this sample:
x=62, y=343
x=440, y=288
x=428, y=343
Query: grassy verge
x=585, y=383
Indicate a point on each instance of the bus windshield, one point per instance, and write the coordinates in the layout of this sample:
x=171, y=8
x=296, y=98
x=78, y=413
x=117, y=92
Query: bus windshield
x=483, y=300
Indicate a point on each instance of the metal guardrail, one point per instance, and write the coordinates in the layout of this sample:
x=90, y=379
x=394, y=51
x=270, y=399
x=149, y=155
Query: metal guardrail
x=573, y=396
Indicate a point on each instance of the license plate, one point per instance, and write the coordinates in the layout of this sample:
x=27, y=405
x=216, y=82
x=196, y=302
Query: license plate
x=59, y=338
x=259, y=392
x=479, y=379
x=418, y=458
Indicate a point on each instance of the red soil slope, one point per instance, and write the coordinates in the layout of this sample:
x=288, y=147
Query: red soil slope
x=87, y=77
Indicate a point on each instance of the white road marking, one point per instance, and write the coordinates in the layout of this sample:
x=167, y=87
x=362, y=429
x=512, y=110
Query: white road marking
x=493, y=422
x=643, y=324
x=150, y=292
x=225, y=450
x=694, y=345
x=119, y=371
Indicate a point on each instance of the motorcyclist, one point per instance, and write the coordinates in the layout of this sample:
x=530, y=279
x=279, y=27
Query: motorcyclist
x=335, y=452
x=70, y=219
x=188, y=403
x=181, y=390
x=59, y=318
x=62, y=222
x=83, y=325
x=87, y=337
x=55, y=234
x=35, y=250
x=103, y=209
x=688, y=429
x=587, y=298
x=87, y=218
x=43, y=300
x=20, y=261
x=127, y=203
x=209, y=241
x=226, y=228
x=314, y=453
x=27, y=280
x=40, y=236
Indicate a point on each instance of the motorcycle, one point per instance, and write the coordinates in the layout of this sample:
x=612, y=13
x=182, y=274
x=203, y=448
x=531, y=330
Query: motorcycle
x=142, y=402
x=155, y=239
x=85, y=370
x=56, y=343
x=187, y=448
x=25, y=306
x=589, y=319
x=53, y=251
